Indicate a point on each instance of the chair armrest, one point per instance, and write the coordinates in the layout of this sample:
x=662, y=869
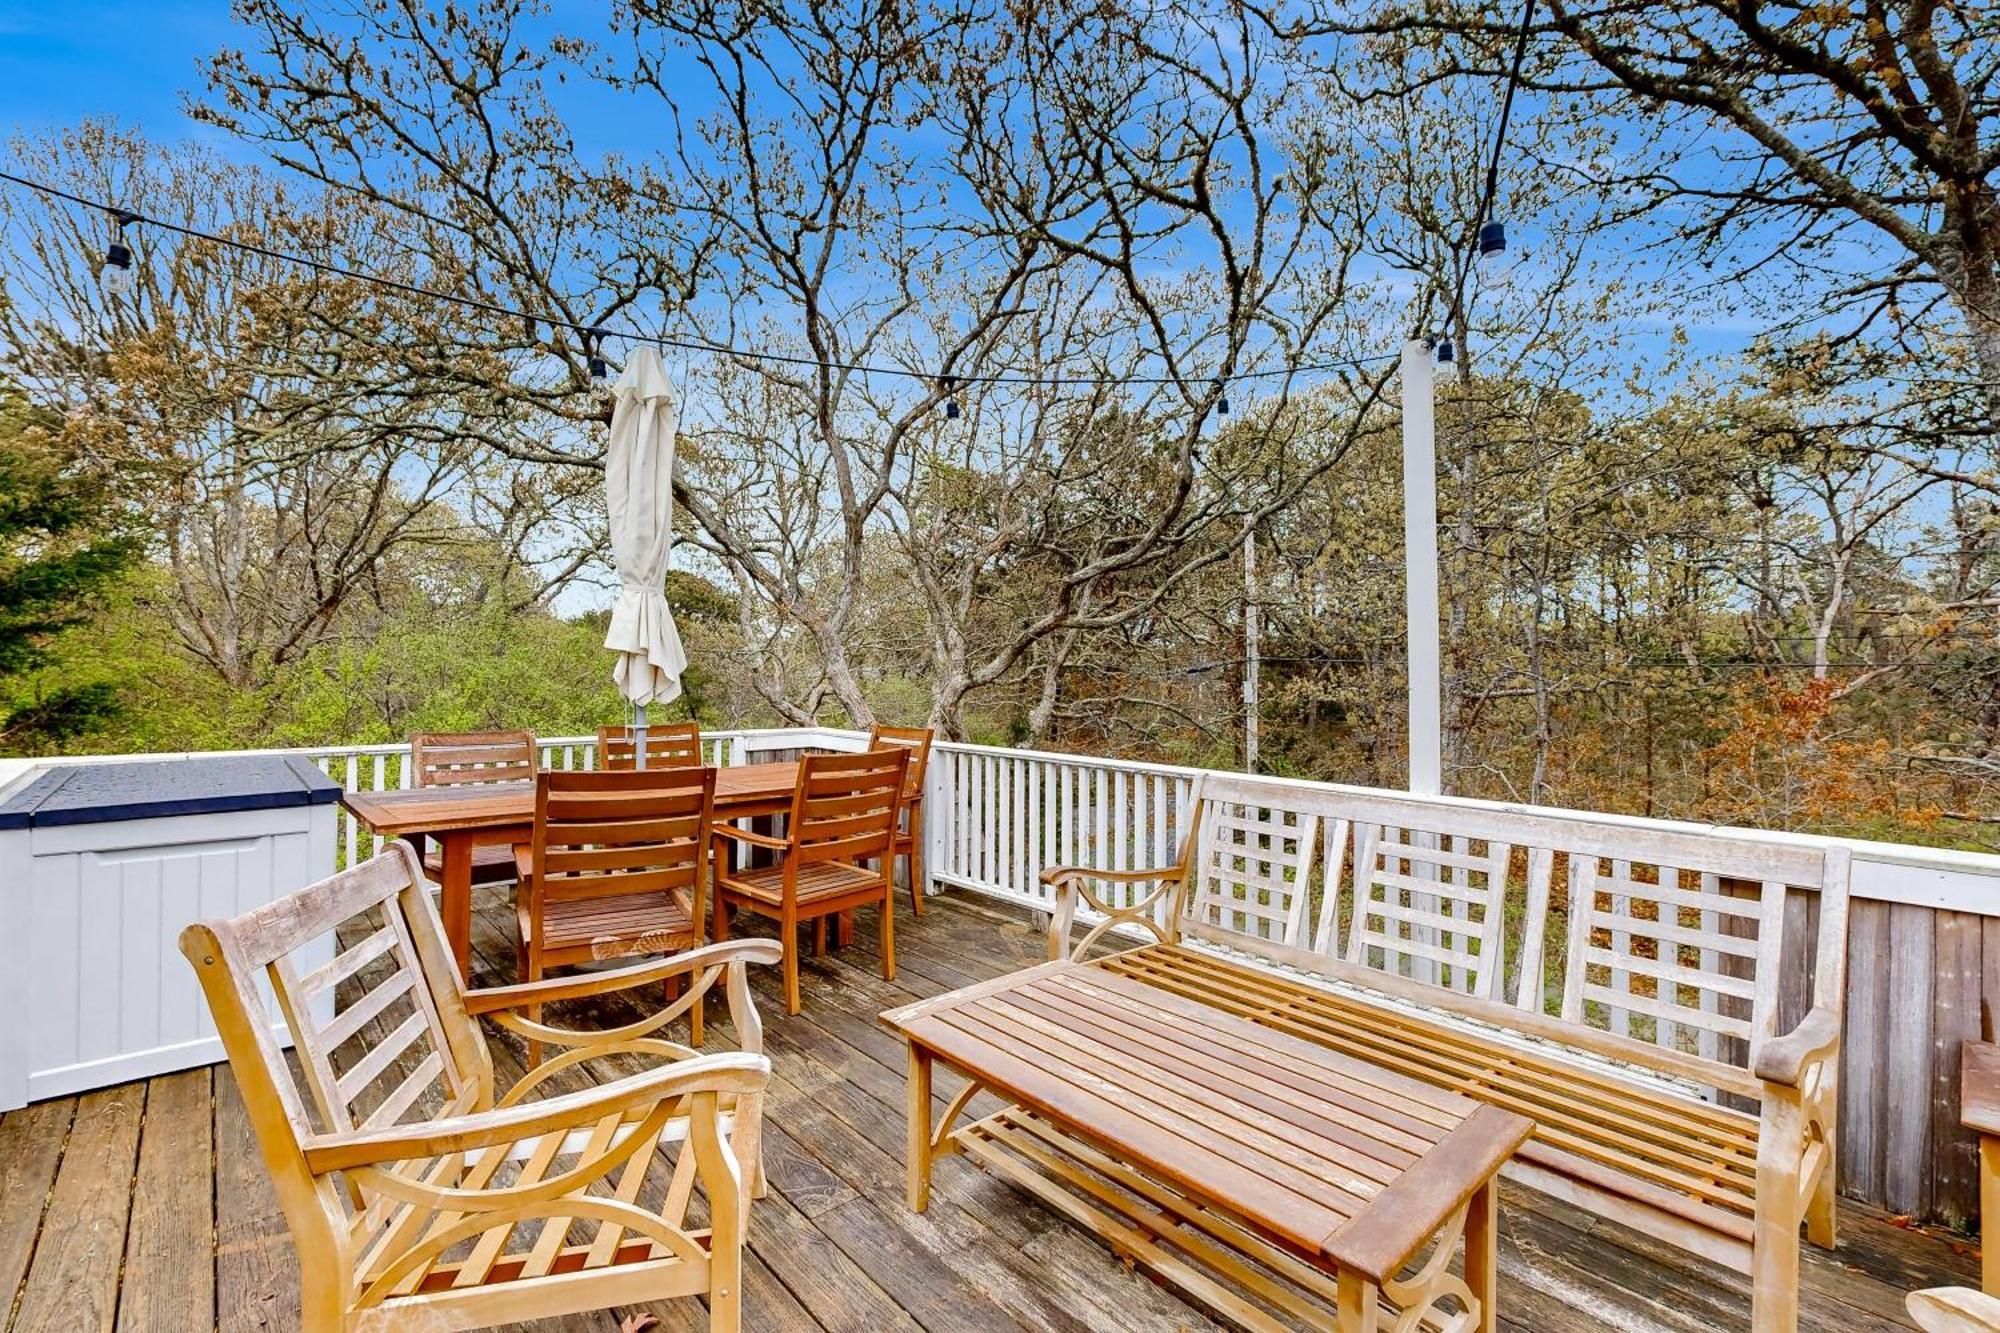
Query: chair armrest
x=738, y=1072
x=524, y=861
x=1954, y=1310
x=735, y=834
x=1784, y=1060
x=492, y=998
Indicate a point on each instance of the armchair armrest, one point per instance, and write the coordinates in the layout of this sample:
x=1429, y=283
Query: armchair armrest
x=524, y=861
x=1954, y=1310
x=737, y=1072
x=1784, y=1060
x=1071, y=884
x=735, y=834
x=493, y=998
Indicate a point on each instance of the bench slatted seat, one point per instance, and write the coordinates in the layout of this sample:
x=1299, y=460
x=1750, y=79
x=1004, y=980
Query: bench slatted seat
x=1618, y=983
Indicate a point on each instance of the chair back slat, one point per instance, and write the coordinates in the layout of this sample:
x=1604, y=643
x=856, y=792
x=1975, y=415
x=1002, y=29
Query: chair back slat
x=668, y=745
x=456, y=759
x=917, y=740
x=603, y=834
x=847, y=805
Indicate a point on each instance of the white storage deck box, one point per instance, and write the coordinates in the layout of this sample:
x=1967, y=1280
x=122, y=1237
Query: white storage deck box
x=101, y=865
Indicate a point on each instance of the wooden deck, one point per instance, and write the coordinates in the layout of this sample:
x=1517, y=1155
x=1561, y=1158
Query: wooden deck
x=99, y=1232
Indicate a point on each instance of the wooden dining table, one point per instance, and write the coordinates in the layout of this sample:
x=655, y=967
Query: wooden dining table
x=471, y=815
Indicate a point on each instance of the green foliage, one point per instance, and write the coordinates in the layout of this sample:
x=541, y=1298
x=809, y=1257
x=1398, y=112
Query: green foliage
x=59, y=551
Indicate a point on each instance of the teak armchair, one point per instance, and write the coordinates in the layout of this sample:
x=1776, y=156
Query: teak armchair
x=471, y=758
x=417, y=1199
x=617, y=867
x=844, y=812
x=910, y=828
x=669, y=745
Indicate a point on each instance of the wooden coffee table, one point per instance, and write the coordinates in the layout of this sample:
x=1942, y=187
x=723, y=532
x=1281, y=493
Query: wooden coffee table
x=1278, y=1182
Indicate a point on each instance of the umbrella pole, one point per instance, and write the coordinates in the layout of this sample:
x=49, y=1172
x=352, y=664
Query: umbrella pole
x=639, y=740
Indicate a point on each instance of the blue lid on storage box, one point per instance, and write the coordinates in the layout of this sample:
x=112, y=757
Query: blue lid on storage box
x=155, y=788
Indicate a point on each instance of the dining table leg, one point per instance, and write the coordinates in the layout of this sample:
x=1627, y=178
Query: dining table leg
x=455, y=897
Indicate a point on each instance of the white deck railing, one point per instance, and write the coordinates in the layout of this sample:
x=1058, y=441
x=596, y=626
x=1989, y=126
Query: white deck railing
x=995, y=818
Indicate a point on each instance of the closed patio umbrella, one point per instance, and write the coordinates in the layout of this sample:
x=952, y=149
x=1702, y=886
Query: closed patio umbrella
x=639, y=496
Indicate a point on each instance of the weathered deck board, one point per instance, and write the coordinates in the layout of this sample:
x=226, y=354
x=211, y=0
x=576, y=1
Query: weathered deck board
x=72, y=1283
x=169, y=1279
x=833, y=1248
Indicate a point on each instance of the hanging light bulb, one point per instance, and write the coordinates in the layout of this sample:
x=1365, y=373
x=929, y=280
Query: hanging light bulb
x=116, y=272
x=1446, y=354
x=1496, y=268
x=949, y=383
x=600, y=370
x=1222, y=398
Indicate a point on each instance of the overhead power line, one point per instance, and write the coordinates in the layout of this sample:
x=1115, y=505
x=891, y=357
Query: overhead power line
x=594, y=335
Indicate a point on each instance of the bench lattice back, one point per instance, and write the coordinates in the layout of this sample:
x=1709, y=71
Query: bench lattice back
x=1252, y=871
x=1661, y=937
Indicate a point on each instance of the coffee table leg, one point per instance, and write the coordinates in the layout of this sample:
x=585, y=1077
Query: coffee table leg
x=1482, y=1252
x=917, y=1164
x=1360, y=1304
x=455, y=894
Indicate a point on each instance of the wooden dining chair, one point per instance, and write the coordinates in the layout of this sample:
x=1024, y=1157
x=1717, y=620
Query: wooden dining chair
x=844, y=812
x=417, y=1198
x=910, y=831
x=469, y=758
x=617, y=866
x=671, y=745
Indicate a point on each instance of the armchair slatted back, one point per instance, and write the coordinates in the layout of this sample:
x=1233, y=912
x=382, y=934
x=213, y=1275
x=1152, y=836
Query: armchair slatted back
x=381, y=1030
x=454, y=759
x=602, y=835
x=669, y=745
x=847, y=805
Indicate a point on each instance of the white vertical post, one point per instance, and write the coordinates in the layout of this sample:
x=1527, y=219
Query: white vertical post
x=1251, y=664
x=1420, y=568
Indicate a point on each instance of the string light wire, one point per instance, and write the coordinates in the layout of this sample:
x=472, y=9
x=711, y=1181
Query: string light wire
x=594, y=335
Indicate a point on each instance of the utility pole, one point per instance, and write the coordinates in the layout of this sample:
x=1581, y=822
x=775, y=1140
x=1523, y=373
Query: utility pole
x=1420, y=567
x=1250, y=650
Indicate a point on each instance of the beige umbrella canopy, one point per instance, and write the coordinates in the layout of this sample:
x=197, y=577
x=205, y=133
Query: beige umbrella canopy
x=639, y=496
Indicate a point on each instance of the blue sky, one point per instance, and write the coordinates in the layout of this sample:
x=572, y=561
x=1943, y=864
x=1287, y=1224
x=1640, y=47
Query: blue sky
x=60, y=63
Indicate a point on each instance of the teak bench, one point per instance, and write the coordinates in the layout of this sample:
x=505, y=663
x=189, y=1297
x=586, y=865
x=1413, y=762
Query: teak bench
x=1666, y=1090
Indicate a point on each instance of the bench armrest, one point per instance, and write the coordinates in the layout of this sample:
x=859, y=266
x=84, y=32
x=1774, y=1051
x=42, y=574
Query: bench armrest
x=1071, y=884
x=1056, y=876
x=1784, y=1060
